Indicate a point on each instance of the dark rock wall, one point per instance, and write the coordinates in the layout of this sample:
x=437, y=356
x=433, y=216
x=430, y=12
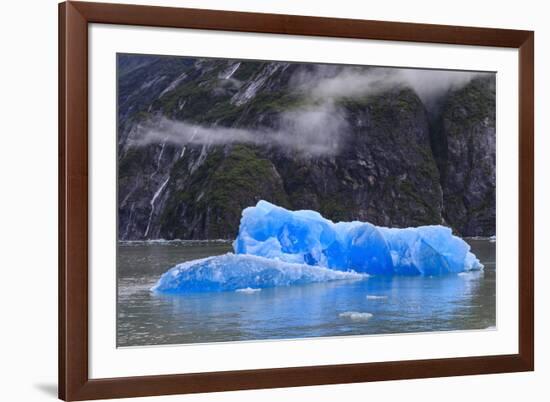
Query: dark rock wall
x=400, y=164
x=468, y=164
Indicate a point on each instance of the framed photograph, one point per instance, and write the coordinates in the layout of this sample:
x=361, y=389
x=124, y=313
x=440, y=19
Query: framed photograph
x=258, y=200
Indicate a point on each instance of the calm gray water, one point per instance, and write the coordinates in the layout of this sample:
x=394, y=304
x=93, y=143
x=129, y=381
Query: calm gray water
x=393, y=304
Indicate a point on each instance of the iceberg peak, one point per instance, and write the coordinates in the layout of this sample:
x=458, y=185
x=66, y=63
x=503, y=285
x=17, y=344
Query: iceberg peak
x=306, y=237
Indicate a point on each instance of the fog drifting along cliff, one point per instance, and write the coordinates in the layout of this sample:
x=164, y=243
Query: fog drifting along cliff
x=201, y=139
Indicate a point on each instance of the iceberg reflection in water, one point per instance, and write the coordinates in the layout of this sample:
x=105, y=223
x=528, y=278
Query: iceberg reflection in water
x=277, y=247
x=403, y=304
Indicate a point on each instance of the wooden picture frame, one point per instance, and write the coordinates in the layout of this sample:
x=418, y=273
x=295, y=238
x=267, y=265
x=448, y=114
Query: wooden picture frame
x=74, y=381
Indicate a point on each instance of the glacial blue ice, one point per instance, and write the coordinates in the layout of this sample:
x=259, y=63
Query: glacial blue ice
x=305, y=237
x=237, y=272
x=278, y=247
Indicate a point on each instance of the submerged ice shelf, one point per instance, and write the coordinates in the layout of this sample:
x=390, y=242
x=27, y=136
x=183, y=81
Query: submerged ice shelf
x=238, y=272
x=278, y=247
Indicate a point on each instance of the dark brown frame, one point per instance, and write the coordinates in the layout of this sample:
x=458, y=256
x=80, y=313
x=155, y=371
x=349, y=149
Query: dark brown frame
x=74, y=383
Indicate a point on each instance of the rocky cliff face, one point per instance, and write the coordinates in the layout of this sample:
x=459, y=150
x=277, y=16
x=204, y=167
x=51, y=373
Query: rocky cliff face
x=467, y=158
x=252, y=132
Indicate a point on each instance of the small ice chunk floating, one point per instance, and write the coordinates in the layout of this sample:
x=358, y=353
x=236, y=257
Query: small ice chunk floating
x=278, y=247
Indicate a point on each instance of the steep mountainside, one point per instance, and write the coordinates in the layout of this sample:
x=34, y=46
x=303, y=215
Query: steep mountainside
x=238, y=132
x=467, y=163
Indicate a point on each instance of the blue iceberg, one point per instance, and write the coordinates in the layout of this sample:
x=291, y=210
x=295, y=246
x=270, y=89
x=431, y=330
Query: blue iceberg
x=305, y=237
x=238, y=272
x=278, y=247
